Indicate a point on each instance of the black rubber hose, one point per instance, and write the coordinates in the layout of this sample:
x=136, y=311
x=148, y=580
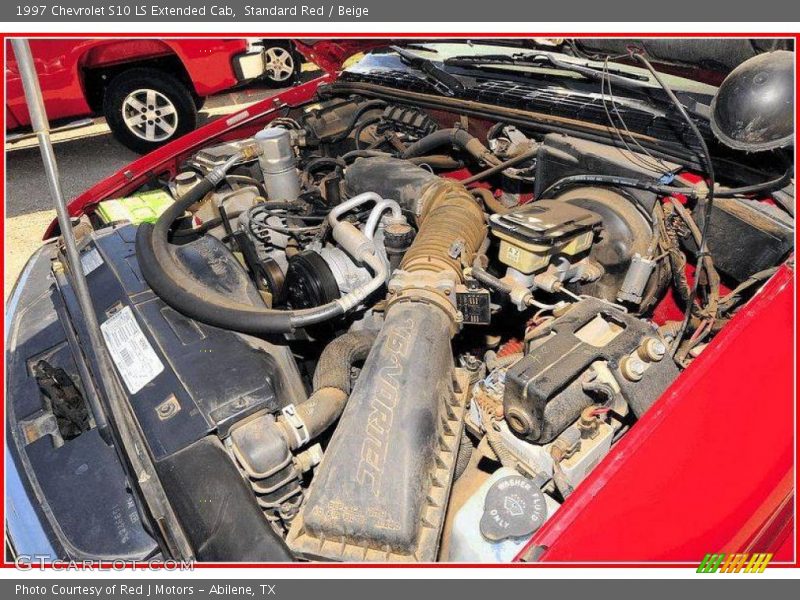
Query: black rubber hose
x=773, y=185
x=331, y=386
x=437, y=161
x=362, y=108
x=360, y=129
x=194, y=299
x=666, y=190
x=338, y=358
x=456, y=137
x=434, y=140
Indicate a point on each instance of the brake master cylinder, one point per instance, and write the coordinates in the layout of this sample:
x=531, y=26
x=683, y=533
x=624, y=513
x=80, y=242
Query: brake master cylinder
x=532, y=235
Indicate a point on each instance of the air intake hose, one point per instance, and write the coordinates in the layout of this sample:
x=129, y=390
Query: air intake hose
x=451, y=224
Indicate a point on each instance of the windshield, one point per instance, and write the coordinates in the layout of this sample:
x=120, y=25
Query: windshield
x=462, y=57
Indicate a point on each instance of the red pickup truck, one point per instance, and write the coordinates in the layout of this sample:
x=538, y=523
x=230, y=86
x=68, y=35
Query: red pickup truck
x=148, y=90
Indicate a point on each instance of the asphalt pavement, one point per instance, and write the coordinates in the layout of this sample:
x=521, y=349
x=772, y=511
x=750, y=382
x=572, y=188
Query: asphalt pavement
x=85, y=156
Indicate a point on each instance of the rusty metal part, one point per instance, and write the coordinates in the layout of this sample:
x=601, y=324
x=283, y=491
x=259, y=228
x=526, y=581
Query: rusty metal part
x=486, y=402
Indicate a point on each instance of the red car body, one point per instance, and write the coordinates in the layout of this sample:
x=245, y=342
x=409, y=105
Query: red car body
x=65, y=68
x=708, y=469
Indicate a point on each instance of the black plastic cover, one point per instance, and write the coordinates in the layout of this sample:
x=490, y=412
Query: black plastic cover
x=545, y=386
x=78, y=490
x=753, y=109
x=545, y=222
x=211, y=378
x=745, y=236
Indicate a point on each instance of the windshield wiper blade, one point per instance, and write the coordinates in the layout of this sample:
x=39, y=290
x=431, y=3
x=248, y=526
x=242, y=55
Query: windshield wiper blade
x=443, y=81
x=616, y=76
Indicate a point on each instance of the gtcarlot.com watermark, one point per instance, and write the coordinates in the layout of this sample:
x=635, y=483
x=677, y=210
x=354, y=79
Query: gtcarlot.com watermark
x=25, y=562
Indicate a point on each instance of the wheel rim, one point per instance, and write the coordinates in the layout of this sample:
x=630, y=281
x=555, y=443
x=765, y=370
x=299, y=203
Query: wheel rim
x=278, y=63
x=149, y=115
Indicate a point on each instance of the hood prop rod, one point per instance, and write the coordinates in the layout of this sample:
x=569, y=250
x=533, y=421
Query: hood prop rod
x=132, y=445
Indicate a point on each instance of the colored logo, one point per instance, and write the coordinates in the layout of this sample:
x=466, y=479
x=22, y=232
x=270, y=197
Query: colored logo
x=742, y=562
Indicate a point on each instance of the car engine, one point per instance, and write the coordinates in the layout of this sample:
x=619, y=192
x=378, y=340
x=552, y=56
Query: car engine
x=414, y=334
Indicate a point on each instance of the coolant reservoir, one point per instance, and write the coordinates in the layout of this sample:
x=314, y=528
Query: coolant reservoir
x=499, y=519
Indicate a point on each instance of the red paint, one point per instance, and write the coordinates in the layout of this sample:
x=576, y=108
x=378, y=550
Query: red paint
x=62, y=65
x=330, y=55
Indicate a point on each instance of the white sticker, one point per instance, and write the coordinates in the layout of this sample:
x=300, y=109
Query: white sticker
x=135, y=358
x=237, y=118
x=90, y=261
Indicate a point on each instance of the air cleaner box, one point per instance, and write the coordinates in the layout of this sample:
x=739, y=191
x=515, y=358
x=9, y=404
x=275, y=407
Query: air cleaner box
x=532, y=234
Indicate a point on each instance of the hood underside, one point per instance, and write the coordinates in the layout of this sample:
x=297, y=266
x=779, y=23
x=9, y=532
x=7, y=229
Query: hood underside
x=706, y=60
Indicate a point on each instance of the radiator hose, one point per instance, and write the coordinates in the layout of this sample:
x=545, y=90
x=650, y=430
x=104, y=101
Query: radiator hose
x=331, y=387
x=456, y=136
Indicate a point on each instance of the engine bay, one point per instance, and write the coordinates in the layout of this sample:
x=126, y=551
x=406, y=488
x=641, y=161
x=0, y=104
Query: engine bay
x=415, y=333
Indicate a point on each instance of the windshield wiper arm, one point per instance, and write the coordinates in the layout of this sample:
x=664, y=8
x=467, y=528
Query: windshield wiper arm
x=617, y=77
x=443, y=81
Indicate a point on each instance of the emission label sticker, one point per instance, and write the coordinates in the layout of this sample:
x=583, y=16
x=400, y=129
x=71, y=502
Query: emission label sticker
x=135, y=358
x=90, y=261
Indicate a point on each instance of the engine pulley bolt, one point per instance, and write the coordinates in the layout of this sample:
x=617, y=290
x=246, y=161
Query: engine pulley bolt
x=652, y=349
x=632, y=368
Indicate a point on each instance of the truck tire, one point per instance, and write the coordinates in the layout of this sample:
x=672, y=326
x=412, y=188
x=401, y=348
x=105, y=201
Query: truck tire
x=147, y=108
x=282, y=63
